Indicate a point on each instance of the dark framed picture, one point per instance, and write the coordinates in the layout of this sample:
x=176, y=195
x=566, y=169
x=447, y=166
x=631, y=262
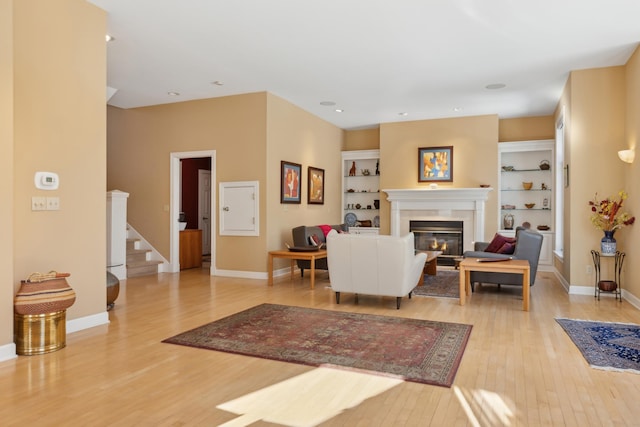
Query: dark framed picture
x=290, y=176
x=315, y=186
x=435, y=164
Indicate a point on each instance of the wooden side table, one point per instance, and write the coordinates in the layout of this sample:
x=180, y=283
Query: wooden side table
x=190, y=249
x=520, y=266
x=610, y=286
x=293, y=256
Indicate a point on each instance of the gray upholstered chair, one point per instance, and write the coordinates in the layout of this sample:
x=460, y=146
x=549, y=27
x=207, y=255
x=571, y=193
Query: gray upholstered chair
x=301, y=236
x=528, y=246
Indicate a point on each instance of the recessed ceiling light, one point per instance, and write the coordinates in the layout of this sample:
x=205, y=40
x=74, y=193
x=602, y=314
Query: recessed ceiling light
x=457, y=109
x=109, y=38
x=403, y=114
x=339, y=110
x=173, y=93
x=217, y=83
x=494, y=86
x=327, y=103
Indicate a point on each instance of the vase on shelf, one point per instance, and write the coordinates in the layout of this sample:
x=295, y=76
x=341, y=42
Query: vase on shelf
x=608, y=243
x=508, y=221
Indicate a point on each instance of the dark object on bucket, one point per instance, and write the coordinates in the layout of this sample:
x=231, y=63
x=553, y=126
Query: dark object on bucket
x=607, y=285
x=113, y=289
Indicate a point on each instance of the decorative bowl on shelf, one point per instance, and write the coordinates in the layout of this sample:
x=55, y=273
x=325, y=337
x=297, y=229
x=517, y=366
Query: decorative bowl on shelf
x=544, y=165
x=484, y=186
x=529, y=205
x=527, y=185
x=543, y=227
x=507, y=207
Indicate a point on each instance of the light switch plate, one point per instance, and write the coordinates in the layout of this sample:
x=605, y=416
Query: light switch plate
x=53, y=203
x=38, y=203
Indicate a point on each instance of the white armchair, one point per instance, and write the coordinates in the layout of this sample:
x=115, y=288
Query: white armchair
x=373, y=265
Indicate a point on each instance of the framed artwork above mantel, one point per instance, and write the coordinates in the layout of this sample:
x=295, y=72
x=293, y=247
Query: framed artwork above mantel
x=435, y=164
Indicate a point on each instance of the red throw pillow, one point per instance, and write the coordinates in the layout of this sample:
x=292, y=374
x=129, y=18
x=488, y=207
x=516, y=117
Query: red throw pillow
x=507, y=248
x=498, y=241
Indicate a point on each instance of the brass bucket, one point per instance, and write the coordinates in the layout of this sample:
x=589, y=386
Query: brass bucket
x=40, y=333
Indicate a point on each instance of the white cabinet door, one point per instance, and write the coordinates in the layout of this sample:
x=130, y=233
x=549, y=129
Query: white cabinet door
x=239, y=214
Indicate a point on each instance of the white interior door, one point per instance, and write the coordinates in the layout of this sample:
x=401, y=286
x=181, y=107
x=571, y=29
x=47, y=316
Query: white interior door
x=204, y=209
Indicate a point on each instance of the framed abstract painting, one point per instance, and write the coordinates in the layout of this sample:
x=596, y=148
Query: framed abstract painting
x=290, y=175
x=435, y=164
x=315, y=186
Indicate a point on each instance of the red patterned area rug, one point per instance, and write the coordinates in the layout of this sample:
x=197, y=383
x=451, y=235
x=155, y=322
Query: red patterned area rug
x=415, y=350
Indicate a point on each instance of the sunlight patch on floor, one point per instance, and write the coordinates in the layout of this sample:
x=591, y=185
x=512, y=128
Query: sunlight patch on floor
x=485, y=408
x=308, y=399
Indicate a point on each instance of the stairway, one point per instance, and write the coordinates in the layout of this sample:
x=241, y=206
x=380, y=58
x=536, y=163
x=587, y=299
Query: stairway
x=138, y=262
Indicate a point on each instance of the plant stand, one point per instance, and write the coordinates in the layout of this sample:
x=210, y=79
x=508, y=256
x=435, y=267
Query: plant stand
x=609, y=286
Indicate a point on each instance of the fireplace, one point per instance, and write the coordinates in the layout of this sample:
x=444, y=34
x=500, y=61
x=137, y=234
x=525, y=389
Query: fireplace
x=440, y=204
x=445, y=236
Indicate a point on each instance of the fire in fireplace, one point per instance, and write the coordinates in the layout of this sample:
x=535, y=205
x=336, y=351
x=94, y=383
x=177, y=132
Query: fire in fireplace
x=445, y=236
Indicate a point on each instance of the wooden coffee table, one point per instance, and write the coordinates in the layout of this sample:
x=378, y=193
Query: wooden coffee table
x=520, y=266
x=293, y=256
x=430, y=265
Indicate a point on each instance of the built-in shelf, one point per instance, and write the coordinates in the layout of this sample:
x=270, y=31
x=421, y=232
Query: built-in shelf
x=529, y=161
x=365, y=188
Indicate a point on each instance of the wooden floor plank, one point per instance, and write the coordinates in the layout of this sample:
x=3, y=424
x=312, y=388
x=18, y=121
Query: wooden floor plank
x=520, y=368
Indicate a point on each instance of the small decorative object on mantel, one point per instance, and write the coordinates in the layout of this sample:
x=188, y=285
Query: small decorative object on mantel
x=607, y=216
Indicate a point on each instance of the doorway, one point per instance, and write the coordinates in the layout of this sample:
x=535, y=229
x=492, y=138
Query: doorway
x=176, y=204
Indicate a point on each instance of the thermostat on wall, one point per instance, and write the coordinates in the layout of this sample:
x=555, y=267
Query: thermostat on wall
x=47, y=180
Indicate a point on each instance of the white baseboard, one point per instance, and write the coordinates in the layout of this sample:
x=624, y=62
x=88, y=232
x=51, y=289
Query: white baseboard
x=8, y=352
x=87, y=322
x=251, y=274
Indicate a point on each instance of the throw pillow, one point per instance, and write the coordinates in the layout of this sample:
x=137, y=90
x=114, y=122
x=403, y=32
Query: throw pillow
x=314, y=240
x=507, y=248
x=498, y=241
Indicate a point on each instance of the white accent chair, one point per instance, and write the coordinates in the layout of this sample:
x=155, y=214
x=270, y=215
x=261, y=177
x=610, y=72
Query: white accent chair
x=373, y=264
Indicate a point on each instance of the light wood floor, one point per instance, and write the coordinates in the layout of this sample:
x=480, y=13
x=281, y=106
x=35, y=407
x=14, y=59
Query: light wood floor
x=519, y=368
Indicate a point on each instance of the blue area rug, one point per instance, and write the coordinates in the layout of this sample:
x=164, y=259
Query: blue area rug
x=605, y=345
x=445, y=284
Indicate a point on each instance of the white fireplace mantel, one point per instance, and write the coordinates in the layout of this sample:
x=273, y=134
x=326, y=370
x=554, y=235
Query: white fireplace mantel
x=440, y=202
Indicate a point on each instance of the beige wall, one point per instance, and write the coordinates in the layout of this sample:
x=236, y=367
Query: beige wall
x=475, y=157
x=297, y=136
x=597, y=111
x=527, y=129
x=59, y=125
x=6, y=172
x=251, y=134
x=140, y=141
x=632, y=174
x=362, y=139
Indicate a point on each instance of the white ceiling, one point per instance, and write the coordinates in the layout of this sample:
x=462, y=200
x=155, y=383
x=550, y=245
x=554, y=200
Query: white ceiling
x=373, y=58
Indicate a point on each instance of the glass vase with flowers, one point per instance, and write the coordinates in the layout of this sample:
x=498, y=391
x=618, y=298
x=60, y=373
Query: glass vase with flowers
x=606, y=215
